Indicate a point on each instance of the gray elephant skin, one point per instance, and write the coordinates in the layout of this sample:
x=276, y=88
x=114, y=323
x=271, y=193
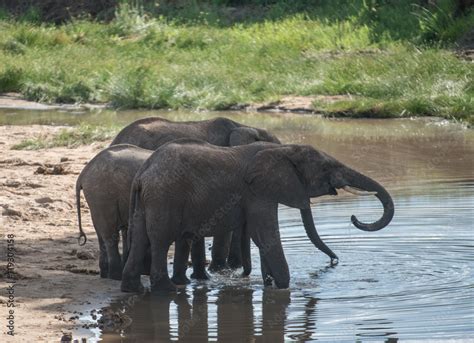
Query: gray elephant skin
x=151, y=133
x=191, y=189
x=107, y=179
x=106, y=182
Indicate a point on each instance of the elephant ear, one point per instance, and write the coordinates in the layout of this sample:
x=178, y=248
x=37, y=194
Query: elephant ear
x=273, y=176
x=243, y=136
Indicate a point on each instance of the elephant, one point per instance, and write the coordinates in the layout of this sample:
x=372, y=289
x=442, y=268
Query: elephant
x=99, y=182
x=106, y=182
x=151, y=133
x=189, y=189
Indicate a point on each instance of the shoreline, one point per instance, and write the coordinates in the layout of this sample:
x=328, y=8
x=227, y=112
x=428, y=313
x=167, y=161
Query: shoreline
x=56, y=281
x=301, y=105
x=54, y=278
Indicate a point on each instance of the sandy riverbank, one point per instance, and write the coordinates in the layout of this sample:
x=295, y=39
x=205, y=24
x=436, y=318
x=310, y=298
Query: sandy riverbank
x=53, y=275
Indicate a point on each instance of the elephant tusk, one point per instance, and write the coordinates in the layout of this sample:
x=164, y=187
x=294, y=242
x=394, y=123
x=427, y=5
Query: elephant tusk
x=357, y=191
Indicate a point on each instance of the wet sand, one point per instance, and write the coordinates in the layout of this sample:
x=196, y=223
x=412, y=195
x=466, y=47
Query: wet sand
x=56, y=281
x=53, y=275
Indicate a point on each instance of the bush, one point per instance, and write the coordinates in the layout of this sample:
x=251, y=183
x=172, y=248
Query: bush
x=11, y=79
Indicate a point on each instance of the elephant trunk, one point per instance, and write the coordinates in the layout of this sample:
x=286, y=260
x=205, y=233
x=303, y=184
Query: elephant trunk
x=308, y=222
x=362, y=182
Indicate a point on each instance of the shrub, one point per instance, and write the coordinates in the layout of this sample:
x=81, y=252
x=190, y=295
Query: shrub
x=11, y=79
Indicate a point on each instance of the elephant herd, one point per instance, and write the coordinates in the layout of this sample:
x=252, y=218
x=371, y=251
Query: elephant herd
x=162, y=182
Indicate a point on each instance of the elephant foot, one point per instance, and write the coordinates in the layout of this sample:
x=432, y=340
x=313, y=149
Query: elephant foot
x=216, y=267
x=282, y=284
x=163, y=286
x=267, y=280
x=180, y=280
x=234, y=263
x=104, y=274
x=129, y=286
x=246, y=272
x=200, y=275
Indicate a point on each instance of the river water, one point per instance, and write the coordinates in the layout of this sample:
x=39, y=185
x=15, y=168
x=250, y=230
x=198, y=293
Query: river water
x=412, y=280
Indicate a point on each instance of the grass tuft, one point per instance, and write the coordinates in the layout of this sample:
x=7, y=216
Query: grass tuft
x=81, y=135
x=10, y=79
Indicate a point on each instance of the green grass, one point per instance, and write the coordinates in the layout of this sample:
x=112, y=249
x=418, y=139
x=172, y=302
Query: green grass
x=393, y=60
x=83, y=134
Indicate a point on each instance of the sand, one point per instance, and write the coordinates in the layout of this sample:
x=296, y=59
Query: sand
x=51, y=276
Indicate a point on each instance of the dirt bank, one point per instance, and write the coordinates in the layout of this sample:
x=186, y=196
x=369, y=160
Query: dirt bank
x=16, y=101
x=295, y=104
x=290, y=104
x=53, y=275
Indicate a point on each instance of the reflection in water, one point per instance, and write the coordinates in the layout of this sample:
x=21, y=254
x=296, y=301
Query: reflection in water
x=412, y=280
x=226, y=316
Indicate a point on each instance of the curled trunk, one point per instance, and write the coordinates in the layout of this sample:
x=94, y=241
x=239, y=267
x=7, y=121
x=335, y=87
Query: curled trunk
x=362, y=182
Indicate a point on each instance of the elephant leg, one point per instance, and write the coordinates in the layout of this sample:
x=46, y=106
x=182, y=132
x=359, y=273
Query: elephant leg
x=266, y=274
x=103, y=260
x=181, y=257
x=162, y=232
x=113, y=255
x=246, y=256
x=105, y=223
x=273, y=259
x=220, y=251
x=263, y=229
x=138, y=247
x=235, y=252
x=159, y=278
x=198, y=256
x=147, y=263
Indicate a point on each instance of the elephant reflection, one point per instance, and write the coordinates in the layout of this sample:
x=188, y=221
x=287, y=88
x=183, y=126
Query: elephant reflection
x=235, y=312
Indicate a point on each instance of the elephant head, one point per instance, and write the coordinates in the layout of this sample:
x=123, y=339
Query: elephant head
x=245, y=135
x=292, y=174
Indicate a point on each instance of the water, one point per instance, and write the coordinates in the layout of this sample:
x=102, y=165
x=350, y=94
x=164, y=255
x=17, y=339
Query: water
x=412, y=280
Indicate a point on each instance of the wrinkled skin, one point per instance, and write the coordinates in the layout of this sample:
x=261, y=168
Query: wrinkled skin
x=106, y=182
x=189, y=189
x=228, y=249
x=151, y=133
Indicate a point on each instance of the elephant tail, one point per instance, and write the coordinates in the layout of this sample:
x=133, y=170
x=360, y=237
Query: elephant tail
x=82, y=239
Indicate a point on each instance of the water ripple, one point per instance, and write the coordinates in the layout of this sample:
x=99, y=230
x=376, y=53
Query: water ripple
x=413, y=280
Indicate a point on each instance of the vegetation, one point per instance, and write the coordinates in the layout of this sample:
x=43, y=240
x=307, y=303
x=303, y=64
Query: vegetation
x=391, y=60
x=83, y=134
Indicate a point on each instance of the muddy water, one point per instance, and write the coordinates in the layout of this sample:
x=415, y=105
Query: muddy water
x=412, y=280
